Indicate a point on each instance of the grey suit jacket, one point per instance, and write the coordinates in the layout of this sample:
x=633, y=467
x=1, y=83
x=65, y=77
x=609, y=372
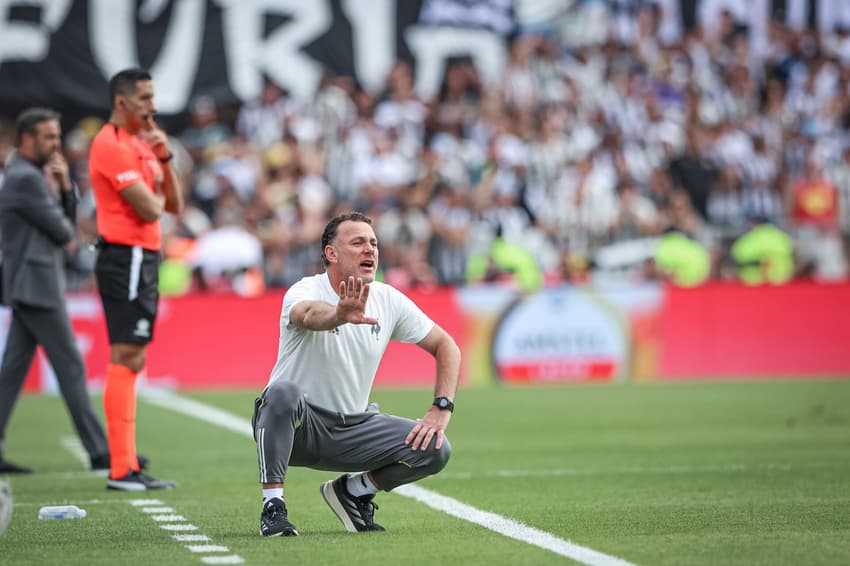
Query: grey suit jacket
x=35, y=225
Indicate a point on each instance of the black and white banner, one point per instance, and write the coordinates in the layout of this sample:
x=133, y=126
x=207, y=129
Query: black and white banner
x=60, y=53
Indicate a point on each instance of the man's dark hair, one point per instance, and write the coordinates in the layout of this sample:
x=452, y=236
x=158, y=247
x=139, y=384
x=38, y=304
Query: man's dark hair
x=29, y=120
x=332, y=227
x=124, y=82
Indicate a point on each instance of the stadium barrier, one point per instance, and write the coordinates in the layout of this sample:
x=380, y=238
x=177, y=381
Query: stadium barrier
x=726, y=330
x=622, y=331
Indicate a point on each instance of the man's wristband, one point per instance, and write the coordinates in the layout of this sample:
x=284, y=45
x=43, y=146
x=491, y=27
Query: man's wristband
x=444, y=404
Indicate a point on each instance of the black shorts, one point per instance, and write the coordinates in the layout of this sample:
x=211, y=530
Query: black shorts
x=128, y=283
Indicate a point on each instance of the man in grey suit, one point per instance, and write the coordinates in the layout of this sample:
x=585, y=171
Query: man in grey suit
x=37, y=216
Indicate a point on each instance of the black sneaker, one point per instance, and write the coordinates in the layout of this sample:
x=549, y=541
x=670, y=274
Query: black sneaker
x=274, y=521
x=138, y=481
x=101, y=463
x=356, y=513
x=7, y=467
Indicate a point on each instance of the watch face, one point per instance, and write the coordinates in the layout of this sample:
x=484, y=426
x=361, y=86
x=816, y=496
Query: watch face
x=444, y=402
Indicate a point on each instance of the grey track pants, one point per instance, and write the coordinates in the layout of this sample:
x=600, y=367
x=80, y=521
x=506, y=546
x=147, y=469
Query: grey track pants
x=291, y=432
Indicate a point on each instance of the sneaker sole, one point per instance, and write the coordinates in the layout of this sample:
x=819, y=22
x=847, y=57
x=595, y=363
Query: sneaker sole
x=125, y=486
x=134, y=486
x=333, y=502
x=294, y=533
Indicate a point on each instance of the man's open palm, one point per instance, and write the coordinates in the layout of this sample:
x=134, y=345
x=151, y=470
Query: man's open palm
x=352, y=302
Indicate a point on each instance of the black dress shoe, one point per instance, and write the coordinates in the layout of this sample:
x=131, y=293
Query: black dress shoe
x=101, y=463
x=7, y=467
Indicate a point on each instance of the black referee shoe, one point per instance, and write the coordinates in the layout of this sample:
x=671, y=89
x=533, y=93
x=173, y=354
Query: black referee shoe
x=274, y=521
x=138, y=481
x=356, y=513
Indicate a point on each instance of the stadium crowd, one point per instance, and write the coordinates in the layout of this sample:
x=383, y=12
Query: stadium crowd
x=705, y=157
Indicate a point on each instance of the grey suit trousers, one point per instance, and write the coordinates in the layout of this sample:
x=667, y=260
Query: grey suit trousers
x=291, y=431
x=51, y=328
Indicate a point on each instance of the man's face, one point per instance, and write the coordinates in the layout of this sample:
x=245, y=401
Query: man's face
x=139, y=105
x=46, y=141
x=355, y=250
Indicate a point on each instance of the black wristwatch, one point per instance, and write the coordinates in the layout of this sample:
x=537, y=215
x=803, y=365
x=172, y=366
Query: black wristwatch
x=444, y=404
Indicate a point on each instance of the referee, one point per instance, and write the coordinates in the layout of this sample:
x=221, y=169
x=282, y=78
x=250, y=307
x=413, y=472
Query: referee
x=134, y=183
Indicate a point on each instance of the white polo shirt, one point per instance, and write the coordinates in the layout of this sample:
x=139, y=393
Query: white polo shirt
x=336, y=368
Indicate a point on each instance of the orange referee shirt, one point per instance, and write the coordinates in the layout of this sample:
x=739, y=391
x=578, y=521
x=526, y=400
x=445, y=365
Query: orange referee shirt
x=117, y=159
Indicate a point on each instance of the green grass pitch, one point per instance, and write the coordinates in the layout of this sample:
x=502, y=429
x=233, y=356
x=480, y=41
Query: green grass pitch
x=727, y=473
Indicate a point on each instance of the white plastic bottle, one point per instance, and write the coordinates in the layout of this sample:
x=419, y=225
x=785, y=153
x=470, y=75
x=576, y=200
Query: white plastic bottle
x=61, y=512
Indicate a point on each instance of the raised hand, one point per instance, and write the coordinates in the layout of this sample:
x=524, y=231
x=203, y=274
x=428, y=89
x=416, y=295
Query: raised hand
x=156, y=139
x=57, y=171
x=352, y=302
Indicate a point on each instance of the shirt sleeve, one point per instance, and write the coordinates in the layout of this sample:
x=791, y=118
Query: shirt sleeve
x=304, y=290
x=412, y=325
x=117, y=163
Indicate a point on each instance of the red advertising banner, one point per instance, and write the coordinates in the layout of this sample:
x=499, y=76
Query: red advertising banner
x=729, y=330
x=606, y=333
x=219, y=340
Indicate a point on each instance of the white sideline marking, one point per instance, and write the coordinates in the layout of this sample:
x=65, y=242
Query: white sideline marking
x=152, y=507
x=167, y=518
x=502, y=525
x=179, y=527
x=157, y=510
x=509, y=527
x=200, y=411
x=190, y=538
x=73, y=445
x=200, y=548
x=144, y=502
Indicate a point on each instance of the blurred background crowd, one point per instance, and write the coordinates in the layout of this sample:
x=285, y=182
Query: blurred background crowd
x=710, y=156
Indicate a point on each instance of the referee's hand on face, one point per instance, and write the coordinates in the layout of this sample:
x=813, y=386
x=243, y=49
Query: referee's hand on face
x=156, y=139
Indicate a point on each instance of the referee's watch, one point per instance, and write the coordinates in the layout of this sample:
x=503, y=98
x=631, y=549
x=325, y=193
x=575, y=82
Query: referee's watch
x=444, y=404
